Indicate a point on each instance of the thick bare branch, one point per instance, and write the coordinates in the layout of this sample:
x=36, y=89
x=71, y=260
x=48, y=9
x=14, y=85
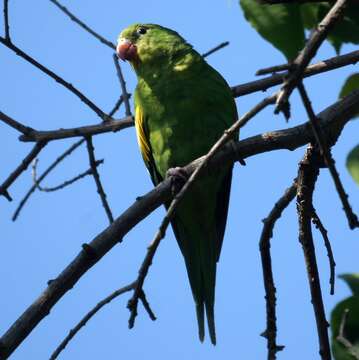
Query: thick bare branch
x=306, y=55
x=332, y=121
x=105, y=127
x=307, y=176
x=83, y=25
x=328, y=159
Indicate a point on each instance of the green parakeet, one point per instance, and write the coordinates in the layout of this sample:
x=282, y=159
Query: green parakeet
x=182, y=107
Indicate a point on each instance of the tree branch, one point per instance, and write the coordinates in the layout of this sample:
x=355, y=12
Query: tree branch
x=65, y=183
x=83, y=25
x=6, y=21
x=216, y=48
x=274, y=69
x=305, y=56
x=239, y=90
x=319, y=225
x=125, y=95
x=307, y=176
x=44, y=174
x=96, y=176
x=25, y=130
x=318, y=68
x=332, y=121
x=54, y=76
x=264, y=246
x=88, y=316
x=90, y=130
x=21, y=168
x=328, y=159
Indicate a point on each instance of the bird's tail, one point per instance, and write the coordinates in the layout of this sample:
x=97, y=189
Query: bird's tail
x=200, y=320
x=205, y=301
x=210, y=322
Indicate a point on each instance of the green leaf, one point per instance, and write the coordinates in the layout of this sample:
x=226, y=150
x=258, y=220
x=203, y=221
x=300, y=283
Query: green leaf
x=351, y=328
x=309, y=14
x=352, y=281
x=353, y=164
x=347, y=29
x=351, y=84
x=281, y=25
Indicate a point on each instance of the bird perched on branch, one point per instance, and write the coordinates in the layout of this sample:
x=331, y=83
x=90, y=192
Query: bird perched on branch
x=182, y=107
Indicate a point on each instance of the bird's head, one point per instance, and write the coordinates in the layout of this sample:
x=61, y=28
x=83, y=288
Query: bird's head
x=147, y=45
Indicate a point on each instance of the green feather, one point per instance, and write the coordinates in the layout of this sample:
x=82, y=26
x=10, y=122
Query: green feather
x=183, y=106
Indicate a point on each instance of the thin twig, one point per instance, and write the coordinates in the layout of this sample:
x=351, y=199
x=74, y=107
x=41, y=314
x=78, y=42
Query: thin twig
x=328, y=159
x=125, y=95
x=6, y=20
x=56, y=77
x=264, y=245
x=305, y=56
x=26, y=130
x=319, y=225
x=274, y=69
x=142, y=273
x=216, y=48
x=104, y=127
x=341, y=336
x=20, y=169
x=333, y=119
x=96, y=176
x=318, y=68
x=307, y=175
x=88, y=316
x=65, y=183
x=117, y=105
x=161, y=232
x=44, y=174
x=147, y=306
x=83, y=25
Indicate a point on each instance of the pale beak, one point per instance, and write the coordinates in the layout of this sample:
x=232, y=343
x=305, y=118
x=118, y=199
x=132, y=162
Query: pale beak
x=126, y=50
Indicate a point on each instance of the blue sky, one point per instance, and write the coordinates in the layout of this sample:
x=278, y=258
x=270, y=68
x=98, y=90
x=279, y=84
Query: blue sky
x=52, y=227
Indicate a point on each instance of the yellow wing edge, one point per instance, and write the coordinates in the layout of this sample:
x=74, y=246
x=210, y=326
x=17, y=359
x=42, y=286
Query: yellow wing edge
x=143, y=141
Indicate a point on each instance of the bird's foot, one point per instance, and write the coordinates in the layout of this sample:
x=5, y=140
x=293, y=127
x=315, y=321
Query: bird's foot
x=178, y=177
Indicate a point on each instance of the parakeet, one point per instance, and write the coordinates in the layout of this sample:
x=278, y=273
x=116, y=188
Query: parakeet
x=182, y=107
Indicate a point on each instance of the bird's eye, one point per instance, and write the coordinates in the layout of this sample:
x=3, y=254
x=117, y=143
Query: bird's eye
x=141, y=30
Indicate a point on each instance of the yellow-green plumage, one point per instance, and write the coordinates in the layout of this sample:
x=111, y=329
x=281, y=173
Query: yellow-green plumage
x=182, y=107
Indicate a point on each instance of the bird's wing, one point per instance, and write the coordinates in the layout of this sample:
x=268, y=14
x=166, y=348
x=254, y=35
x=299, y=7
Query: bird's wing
x=144, y=144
